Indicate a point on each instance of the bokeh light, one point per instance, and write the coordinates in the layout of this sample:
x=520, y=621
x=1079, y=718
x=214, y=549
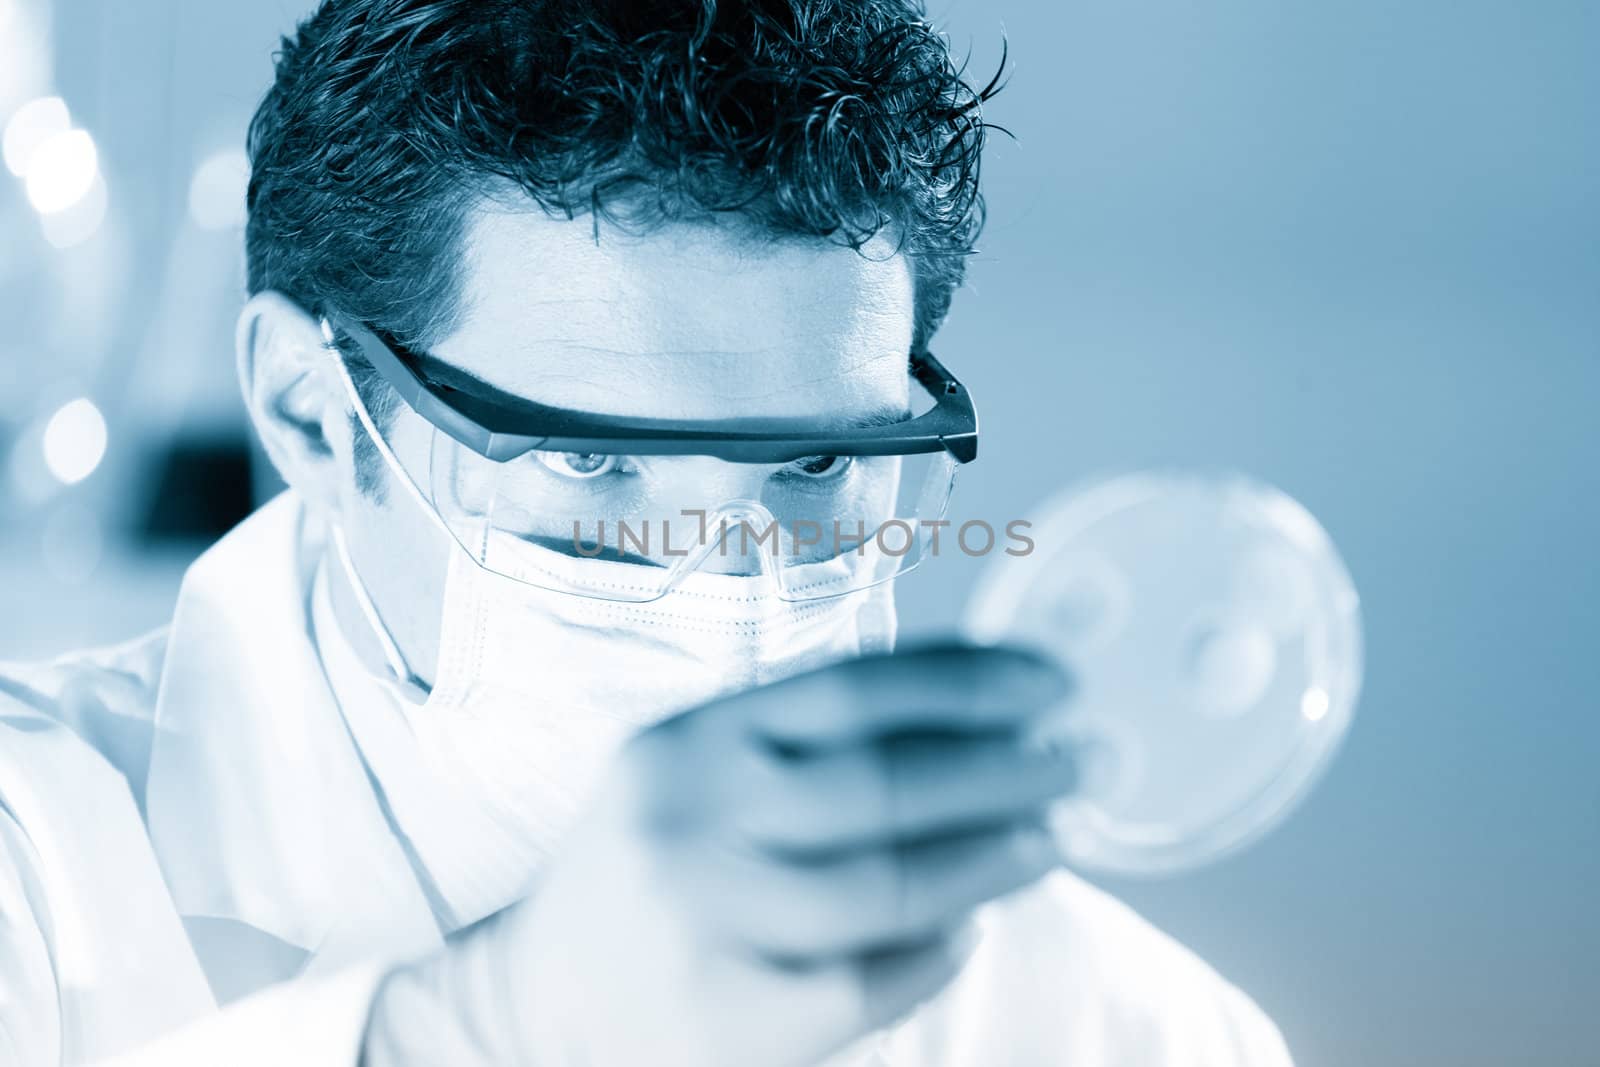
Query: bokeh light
x=31, y=126
x=217, y=190
x=1314, y=704
x=62, y=171
x=81, y=221
x=75, y=441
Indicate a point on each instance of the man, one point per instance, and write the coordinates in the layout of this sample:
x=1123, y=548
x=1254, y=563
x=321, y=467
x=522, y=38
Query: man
x=433, y=768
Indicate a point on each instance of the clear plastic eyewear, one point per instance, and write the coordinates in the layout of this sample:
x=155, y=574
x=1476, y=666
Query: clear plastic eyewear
x=622, y=509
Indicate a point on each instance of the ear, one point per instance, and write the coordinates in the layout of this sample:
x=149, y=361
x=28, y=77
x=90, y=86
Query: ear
x=294, y=396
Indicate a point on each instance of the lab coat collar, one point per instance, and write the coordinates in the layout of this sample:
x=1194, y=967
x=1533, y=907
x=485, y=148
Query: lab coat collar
x=259, y=806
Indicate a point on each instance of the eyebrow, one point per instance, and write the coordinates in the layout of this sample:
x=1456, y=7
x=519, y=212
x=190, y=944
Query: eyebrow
x=885, y=415
x=444, y=375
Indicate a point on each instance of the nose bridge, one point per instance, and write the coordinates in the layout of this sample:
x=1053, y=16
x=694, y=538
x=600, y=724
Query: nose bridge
x=721, y=498
x=744, y=539
x=705, y=483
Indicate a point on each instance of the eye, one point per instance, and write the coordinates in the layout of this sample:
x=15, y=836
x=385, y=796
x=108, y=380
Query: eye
x=821, y=467
x=578, y=464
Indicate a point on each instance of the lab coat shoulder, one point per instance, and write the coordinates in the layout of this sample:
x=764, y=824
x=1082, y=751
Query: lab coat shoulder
x=30, y=1023
x=94, y=960
x=105, y=696
x=1068, y=975
x=83, y=912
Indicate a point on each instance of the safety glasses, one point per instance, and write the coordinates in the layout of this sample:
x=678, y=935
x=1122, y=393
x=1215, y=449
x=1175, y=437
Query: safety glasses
x=624, y=509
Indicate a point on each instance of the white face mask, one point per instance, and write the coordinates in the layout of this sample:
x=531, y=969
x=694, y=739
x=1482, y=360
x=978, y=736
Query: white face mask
x=535, y=690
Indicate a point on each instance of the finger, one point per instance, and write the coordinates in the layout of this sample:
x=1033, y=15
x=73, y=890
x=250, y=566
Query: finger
x=863, y=900
x=951, y=686
x=907, y=786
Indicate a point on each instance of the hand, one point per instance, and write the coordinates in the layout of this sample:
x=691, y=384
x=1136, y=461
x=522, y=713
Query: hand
x=769, y=877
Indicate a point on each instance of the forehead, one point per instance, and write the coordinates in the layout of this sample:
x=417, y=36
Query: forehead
x=686, y=321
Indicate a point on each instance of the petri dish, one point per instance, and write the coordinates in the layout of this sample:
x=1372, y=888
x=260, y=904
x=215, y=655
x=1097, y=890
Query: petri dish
x=1215, y=637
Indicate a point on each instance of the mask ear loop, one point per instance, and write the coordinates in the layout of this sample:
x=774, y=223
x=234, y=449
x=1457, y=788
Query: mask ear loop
x=413, y=688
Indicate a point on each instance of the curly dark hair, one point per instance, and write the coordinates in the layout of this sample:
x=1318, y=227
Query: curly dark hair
x=388, y=119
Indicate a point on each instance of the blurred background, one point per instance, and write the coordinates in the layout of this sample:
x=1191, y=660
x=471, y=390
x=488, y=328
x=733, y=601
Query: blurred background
x=1352, y=249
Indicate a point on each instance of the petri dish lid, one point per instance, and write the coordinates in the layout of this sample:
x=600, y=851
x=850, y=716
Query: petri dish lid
x=1215, y=636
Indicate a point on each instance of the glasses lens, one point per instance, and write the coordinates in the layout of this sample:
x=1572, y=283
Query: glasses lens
x=873, y=536
x=820, y=525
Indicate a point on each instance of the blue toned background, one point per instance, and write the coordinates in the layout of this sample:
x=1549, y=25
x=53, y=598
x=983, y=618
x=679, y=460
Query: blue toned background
x=1351, y=248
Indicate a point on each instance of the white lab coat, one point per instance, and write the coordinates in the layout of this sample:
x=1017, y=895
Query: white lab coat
x=206, y=773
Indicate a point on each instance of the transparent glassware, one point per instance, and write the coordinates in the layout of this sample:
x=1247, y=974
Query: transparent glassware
x=1215, y=637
